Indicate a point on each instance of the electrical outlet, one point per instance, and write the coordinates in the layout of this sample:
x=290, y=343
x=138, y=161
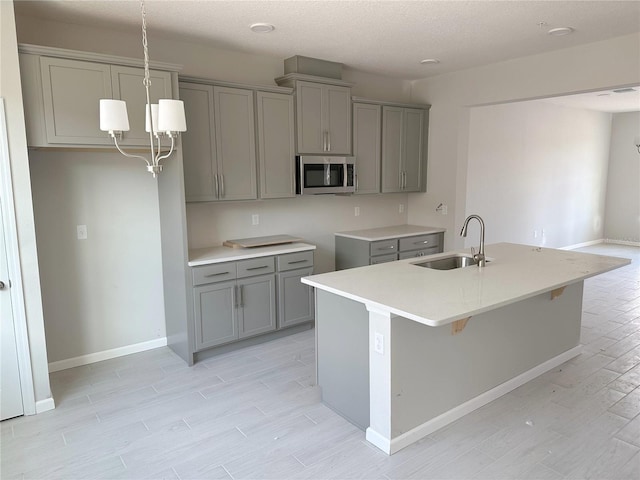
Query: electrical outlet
x=356, y=211
x=255, y=219
x=444, y=209
x=401, y=208
x=82, y=232
x=535, y=234
x=379, y=343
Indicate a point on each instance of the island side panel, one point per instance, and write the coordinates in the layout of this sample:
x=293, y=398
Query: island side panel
x=434, y=371
x=342, y=333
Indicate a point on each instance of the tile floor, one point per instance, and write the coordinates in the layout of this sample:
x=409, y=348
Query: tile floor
x=256, y=414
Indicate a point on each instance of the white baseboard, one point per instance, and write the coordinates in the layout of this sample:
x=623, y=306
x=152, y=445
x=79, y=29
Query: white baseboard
x=45, y=405
x=583, y=244
x=415, y=434
x=622, y=242
x=107, y=354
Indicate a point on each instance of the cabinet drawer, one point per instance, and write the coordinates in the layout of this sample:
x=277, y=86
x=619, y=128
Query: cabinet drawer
x=384, y=259
x=420, y=242
x=256, y=266
x=293, y=261
x=383, y=247
x=419, y=253
x=217, y=272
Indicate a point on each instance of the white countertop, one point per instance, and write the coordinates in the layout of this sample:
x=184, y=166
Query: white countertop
x=439, y=297
x=207, y=256
x=385, y=233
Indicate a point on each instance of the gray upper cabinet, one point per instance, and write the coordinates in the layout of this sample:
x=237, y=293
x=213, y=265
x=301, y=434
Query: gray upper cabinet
x=323, y=118
x=366, y=147
x=219, y=146
x=235, y=143
x=62, y=91
x=198, y=143
x=276, y=151
x=402, y=149
x=127, y=85
x=71, y=91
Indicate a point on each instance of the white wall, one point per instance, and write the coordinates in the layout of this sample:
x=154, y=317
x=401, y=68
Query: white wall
x=11, y=90
x=104, y=292
x=622, y=219
x=601, y=65
x=537, y=167
x=116, y=198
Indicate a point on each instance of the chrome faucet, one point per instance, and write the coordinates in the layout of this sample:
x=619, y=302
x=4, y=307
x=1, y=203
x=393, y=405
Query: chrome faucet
x=478, y=257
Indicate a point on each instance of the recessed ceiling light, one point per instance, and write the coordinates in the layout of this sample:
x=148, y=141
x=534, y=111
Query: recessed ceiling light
x=262, y=28
x=559, y=32
x=429, y=61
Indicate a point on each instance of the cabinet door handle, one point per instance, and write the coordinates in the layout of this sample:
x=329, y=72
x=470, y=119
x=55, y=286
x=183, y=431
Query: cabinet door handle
x=235, y=296
x=328, y=141
x=297, y=261
x=215, y=181
x=258, y=268
x=241, y=299
x=221, y=185
x=390, y=247
x=425, y=242
x=215, y=274
x=357, y=185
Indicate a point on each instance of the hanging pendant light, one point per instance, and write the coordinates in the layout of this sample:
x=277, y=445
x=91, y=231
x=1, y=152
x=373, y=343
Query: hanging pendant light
x=164, y=119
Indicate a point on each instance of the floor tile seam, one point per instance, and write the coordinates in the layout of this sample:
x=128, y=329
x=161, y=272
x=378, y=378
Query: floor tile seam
x=626, y=441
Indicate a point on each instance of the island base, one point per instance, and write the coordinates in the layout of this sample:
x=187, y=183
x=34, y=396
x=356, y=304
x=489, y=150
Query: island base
x=401, y=380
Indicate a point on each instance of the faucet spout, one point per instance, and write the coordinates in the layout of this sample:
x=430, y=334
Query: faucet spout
x=478, y=257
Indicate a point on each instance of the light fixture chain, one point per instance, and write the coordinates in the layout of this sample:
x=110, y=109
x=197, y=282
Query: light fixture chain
x=145, y=46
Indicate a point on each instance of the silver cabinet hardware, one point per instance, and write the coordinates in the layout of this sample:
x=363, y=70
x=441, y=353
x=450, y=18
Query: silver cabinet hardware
x=258, y=268
x=215, y=177
x=221, y=185
x=297, y=261
x=241, y=300
x=2, y=285
x=328, y=141
x=216, y=274
x=425, y=242
x=390, y=247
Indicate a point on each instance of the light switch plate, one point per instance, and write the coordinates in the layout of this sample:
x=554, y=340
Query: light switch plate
x=81, y=231
x=379, y=343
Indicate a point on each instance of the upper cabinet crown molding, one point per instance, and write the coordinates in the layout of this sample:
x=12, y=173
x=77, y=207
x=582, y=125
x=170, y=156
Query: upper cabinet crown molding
x=289, y=80
x=423, y=106
x=246, y=86
x=94, y=57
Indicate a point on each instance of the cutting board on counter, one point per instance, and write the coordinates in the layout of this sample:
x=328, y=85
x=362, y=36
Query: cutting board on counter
x=261, y=241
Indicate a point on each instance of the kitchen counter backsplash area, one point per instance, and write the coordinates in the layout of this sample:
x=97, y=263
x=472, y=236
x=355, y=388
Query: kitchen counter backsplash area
x=314, y=219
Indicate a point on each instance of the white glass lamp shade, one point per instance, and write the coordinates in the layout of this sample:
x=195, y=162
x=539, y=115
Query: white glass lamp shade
x=154, y=117
x=171, y=116
x=113, y=115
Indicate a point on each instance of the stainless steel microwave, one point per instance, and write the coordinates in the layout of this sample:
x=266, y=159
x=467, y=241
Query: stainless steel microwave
x=322, y=175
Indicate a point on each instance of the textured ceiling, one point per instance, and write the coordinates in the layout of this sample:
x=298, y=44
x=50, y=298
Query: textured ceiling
x=383, y=37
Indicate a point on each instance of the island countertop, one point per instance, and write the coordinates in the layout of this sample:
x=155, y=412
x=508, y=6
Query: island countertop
x=439, y=297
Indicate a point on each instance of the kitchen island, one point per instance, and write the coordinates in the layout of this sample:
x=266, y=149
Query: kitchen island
x=403, y=350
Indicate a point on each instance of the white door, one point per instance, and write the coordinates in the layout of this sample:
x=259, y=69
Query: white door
x=10, y=391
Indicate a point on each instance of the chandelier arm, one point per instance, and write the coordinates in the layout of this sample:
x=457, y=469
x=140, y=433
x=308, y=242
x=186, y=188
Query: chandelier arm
x=168, y=154
x=115, y=141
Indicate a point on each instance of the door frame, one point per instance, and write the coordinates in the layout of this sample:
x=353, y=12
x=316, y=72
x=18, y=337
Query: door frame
x=15, y=272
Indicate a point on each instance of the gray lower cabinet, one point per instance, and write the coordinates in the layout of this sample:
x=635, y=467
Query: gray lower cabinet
x=245, y=298
x=353, y=252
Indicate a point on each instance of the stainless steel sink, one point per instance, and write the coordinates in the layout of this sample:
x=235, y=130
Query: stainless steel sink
x=448, y=263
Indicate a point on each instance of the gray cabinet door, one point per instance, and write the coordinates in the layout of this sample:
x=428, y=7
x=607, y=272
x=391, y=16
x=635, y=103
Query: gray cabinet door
x=295, y=299
x=127, y=85
x=337, y=119
x=311, y=134
x=366, y=147
x=276, y=151
x=215, y=314
x=256, y=305
x=235, y=143
x=392, y=149
x=412, y=150
x=72, y=91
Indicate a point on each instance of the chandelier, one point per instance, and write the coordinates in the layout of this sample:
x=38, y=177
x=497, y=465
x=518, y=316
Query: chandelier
x=164, y=119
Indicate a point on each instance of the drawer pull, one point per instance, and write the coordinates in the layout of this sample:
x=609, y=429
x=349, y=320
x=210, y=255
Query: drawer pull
x=297, y=261
x=425, y=242
x=258, y=268
x=390, y=247
x=216, y=274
